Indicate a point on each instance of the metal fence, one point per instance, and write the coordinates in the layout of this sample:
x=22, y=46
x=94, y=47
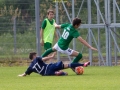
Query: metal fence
x=100, y=25
x=19, y=28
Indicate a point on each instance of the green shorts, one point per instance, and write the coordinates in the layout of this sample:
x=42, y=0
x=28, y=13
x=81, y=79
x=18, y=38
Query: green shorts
x=47, y=45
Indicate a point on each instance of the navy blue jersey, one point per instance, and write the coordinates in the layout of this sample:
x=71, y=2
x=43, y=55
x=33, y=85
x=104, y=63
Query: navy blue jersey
x=37, y=66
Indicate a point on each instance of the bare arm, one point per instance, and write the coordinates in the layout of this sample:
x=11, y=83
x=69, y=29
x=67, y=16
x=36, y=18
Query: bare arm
x=57, y=26
x=41, y=37
x=22, y=75
x=49, y=57
x=56, y=36
x=85, y=43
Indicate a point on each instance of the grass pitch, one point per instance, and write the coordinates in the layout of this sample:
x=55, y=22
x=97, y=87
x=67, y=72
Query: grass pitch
x=94, y=78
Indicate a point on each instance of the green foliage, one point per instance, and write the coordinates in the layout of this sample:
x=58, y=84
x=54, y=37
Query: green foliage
x=94, y=78
x=22, y=10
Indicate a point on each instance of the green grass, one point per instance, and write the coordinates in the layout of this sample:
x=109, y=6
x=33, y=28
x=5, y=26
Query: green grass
x=94, y=78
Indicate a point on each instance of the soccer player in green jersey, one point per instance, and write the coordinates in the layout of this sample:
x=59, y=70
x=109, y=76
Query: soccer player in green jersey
x=69, y=32
x=48, y=30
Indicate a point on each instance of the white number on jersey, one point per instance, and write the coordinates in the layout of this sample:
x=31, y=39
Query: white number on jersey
x=38, y=68
x=65, y=34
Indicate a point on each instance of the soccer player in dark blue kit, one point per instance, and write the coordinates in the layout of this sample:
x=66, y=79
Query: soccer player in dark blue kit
x=39, y=66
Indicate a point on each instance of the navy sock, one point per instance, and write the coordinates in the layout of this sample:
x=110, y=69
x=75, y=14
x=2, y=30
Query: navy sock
x=73, y=65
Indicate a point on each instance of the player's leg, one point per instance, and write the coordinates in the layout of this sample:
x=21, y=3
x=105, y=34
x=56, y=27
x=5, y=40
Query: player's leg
x=50, y=50
x=55, y=69
x=47, y=52
x=59, y=66
x=47, y=45
x=73, y=65
x=64, y=66
x=77, y=56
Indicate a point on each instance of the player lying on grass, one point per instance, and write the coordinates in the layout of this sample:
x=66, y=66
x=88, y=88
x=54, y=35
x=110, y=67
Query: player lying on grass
x=39, y=66
x=69, y=32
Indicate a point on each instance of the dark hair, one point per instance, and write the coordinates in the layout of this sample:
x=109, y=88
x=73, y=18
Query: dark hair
x=76, y=21
x=31, y=55
x=50, y=11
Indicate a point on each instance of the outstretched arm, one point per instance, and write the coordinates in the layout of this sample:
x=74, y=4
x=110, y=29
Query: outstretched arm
x=49, y=57
x=22, y=75
x=57, y=26
x=27, y=72
x=85, y=43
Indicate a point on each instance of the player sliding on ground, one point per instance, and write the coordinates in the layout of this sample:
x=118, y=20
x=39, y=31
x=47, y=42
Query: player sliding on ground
x=38, y=66
x=69, y=32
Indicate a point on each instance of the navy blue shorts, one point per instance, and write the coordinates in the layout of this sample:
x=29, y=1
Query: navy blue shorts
x=54, y=67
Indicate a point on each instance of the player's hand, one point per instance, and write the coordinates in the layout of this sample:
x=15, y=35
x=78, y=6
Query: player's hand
x=53, y=55
x=94, y=49
x=42, y=42
x=22, y=75
x=57, y=26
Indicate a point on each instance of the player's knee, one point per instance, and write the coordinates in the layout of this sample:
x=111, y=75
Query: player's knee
x=53, y=49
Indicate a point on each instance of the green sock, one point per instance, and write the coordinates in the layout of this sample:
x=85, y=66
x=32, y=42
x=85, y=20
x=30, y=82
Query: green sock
x=77, y=59
x=47, y=52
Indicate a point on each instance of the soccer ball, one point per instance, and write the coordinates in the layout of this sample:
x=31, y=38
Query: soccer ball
x=79, y=70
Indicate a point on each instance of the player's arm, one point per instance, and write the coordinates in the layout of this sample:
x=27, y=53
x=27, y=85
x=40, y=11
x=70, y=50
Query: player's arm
x=56, y=36
x=57, y=26
x=41, y=37
x=85, y=43
x=22, y=75
x=48, y=57
x=42, y=31
x=61, y=26
x=28, y=72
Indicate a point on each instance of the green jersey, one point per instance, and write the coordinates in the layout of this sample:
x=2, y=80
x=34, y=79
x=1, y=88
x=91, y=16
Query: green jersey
x=69, y=32
x=49, y=30
x=44, y=23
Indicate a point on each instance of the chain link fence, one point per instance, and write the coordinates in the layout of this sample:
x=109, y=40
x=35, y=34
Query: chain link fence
x=17, y=24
